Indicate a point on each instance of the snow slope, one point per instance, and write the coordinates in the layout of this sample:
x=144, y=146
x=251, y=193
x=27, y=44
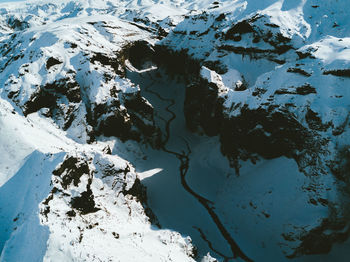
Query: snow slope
x=85, y=114
x=34, y=202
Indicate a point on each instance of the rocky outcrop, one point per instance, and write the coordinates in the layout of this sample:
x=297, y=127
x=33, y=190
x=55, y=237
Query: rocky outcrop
x=126, y=115
x=252, y=30
x=98, y=96
x=95, y=196
x=139, y=191
x=269, y=92
x=202, y=108
x=320, y=240
x=47, y=96
x=134, y=121
x=269, y=131
x=73, y=179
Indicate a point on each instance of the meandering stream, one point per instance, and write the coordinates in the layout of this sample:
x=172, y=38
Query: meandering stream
x=178, y=142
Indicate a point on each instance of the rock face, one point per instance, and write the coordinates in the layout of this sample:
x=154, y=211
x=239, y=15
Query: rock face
x=93, y=192
x=278, y=115
x=63, y=92
x=96, y=95
x=270, y=133
x=265, y=89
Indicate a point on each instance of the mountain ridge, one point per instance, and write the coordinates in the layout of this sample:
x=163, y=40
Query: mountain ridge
x=254, y=87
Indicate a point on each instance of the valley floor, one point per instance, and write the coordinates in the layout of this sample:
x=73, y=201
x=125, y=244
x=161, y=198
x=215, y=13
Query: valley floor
x=256, y=207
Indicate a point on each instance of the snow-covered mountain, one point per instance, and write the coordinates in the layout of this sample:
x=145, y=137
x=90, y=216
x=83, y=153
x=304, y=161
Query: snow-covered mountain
x=174, y=130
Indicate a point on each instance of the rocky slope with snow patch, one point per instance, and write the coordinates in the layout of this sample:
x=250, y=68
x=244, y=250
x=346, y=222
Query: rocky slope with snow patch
x=288, y=97
x=268, y=79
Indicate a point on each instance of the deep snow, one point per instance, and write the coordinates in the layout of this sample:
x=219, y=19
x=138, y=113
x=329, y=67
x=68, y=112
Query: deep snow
x=268, y=198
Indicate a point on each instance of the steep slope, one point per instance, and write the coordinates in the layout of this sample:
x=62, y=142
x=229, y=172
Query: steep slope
x=62, y=85
x=274, y=84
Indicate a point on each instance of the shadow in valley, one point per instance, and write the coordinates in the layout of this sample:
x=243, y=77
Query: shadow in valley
x=176, y=202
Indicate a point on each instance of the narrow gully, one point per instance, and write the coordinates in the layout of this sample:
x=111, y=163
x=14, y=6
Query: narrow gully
x=184, y=158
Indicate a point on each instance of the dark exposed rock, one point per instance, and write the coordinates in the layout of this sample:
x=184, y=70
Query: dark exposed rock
x=45, y=210
x=284, y=91
x=67, y=87
x=176, y=62
x=202, y=108
x=115, y=62
x=139, y=53
x=242, y=27
x=52, y=62
x=113, y=121
x=141, y=115
x=126, y=115
x=46, y=96
x=266, y=132
x=85, y=203
x=305, y=89
x=314, y=121
x=241, y=86
x=136, y=103
x=255, y=52
x=338, y=72
x=107, y=150
x=40, y=99
x=243, y=50
x=341, y=166
x=17, y=24
x=305, y=54
x=220, y=18
x=216, y=66
x=134, y=121
x=71, y=170
x=139, y=191
x=280, y=43
x=71, y=213
x=272, y=25
x=320, y=241
x=116, y=235
x=298, y=71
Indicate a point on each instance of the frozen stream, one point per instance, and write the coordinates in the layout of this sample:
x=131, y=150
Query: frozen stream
x=192, y=189
x=177, y=188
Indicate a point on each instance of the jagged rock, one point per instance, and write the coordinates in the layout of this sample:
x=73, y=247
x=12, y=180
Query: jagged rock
x=52, y=62
x=71, y=170
x=275, y=87
x=202, y=108
x=139, y=191
x=134, y=121
x=17, y=24
x=85, y=202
